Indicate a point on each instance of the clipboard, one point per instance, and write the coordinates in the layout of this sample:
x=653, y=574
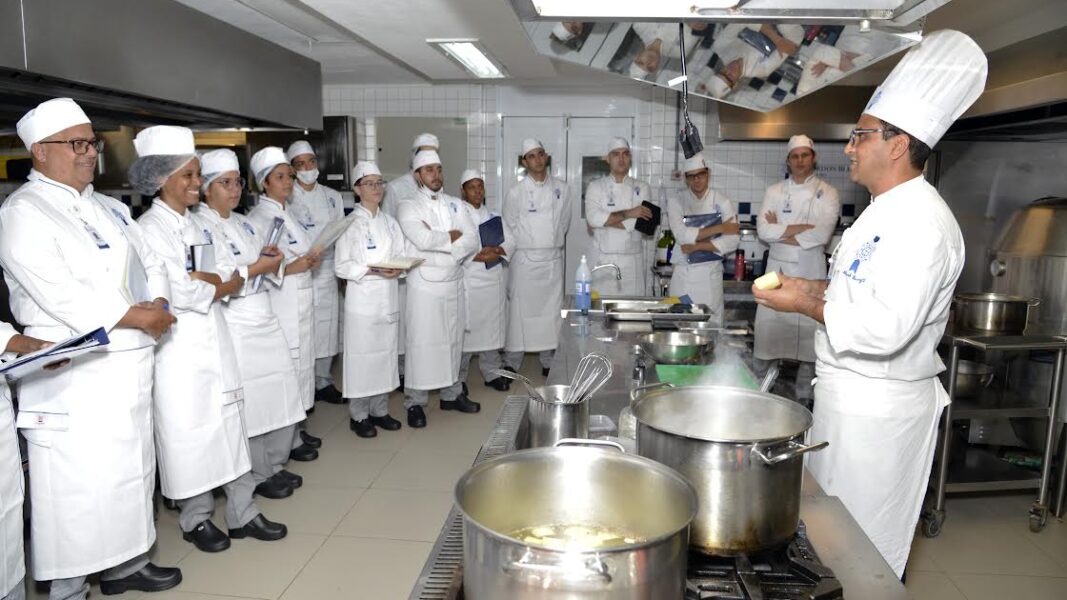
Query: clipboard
x=275, y=234
x=491, y=233
x=65, y=349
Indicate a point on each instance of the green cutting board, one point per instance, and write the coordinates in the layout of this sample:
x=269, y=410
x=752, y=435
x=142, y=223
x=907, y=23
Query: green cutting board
x=716, y=374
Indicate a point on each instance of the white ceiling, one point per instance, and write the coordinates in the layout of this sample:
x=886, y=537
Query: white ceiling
x=360, y=41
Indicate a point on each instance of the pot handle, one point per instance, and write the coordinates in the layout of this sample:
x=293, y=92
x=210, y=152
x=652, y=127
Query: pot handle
x=634, y=393
x=585, y=442
x=594, y=574
x=795, y=449
x=1033, y=301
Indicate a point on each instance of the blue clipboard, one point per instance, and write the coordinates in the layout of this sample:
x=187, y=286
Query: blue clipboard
x=491, y=233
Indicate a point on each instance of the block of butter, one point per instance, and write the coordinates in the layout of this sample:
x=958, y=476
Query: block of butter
x=769, y=281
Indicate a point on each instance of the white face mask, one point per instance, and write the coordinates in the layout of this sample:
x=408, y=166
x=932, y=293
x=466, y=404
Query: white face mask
x=308, y=177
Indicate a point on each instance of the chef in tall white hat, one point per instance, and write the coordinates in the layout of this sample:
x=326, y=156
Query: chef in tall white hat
x=703, y=245
x=613, y=204
x=316, y=206
x=441, y=232
x=396, y=192
x=485, y=282
x=797, y=218
x=293, y=302
x=884, y=309
x=538, y=211
x=74, y=261
x=198, y=404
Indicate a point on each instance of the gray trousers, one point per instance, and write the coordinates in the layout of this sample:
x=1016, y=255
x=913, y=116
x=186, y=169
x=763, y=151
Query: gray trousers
x=18, y=592
x=488, y=361
x=240, y=508
x=368, y=406
x=76, y=588
x=422, y=397
x=323, y=372
x=269, y=452
x=514, y=359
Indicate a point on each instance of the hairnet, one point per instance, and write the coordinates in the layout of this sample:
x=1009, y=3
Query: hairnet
x=148, y=173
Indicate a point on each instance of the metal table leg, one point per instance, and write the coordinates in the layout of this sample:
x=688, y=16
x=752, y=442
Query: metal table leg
x=932, y=519
x=1039, y=510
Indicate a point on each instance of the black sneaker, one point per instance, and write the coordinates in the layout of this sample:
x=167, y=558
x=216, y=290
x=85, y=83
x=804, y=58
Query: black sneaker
x=416, y=417
x=330, y=394
x=386, y=422
x=462, y=403
x=363, y=428
x=500, y=384
x=207, y=537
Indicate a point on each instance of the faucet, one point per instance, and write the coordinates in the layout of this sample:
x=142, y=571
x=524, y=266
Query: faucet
x=618, y=272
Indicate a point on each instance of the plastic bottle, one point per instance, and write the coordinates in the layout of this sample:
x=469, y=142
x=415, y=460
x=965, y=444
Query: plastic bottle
x=739, y=266
x=583, y=284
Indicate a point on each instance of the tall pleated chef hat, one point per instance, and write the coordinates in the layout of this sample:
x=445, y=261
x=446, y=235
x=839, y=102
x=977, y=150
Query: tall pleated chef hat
x=164, y=140
x=618, y=143
x=264, y=161
x=216, y=162
x=364, y=168
x=48, y=117
x=471, y=174
x=297, y=148
x=932, y=86
x=426, y=157
x=695, y=163
x=425, y=139
x=531, y=144
x=799, y=141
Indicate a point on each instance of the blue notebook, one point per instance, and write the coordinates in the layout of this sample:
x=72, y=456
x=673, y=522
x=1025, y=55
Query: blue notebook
x=704, y=220
x=491, y=233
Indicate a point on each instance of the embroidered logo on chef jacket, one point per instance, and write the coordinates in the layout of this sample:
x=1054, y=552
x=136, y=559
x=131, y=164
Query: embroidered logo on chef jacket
x=788, y=208
x=455, y=209
x=370, y=242
x=249, y=229
x=637, y=191
x=862, y=255
x=533, y=207
x=207, y=236
x=233, y=248
x=97, y=238
x=121, y=217
x=557, y=193
x=611, y=199
x=333, y=203
x=288, y=234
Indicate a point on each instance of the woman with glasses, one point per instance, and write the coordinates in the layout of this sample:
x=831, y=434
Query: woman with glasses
x=272, y=400
x=372, y=305
x=198, y=397
x=293, y=301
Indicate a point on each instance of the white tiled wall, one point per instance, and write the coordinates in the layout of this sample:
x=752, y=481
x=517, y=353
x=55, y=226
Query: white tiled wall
x=741, y=170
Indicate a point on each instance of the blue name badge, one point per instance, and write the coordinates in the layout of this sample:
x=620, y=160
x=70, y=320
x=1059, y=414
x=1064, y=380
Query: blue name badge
x=292, y=240
x=233, y=248
x=97, y=239
x=370, y=243
x=532, y=208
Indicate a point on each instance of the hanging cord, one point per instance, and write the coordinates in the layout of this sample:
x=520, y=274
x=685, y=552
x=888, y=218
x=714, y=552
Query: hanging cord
x=688, y=136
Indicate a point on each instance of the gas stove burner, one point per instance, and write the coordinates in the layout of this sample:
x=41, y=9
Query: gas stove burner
x=791, y=573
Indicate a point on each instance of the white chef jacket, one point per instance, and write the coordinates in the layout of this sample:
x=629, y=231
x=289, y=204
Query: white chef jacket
x=700, y=281
x=878, y=400
x=813, y=202
x=625, y=247
x=487, y=291
x=12, y=562
x=315, y=209
x=69, y=259
x=398, y=191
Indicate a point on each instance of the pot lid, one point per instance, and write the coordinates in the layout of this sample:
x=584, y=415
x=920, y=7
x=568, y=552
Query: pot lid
x=722, y=414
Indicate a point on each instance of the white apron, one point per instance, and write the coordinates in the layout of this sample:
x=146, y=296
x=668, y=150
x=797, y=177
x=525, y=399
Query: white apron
x=399, y=190
x=316, y=209
x=535, y=297
x=89, y=424
x=623, y=247
x=13, y=565
x=487, y=293
x=293, y=302
x=882, y=435
x=199, y=428
x=702, y=282
x=372, y=308
x=272, y=395
x=791, y=335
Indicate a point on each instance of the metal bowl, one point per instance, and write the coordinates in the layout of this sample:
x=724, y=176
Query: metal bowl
x=971, y=378
x=991, y=314
x=677, y=347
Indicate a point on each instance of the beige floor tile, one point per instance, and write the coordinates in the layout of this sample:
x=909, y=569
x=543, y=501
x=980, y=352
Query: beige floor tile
x=174, y=594
x=313, y=508
x=932, y=586
x=388, y=441
x=992, y=587
x=170, y=548
x=415, y=469
x=346, y=568
x=979, y=546
x=397, y=515
x=342, y=463
x=250, y=568
x=450, y=433
x=326, y=418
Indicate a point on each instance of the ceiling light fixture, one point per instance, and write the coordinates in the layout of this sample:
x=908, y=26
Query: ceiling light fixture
x=470, y=55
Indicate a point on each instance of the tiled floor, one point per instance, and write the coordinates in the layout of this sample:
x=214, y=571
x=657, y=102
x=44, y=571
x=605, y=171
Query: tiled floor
x=365, y=519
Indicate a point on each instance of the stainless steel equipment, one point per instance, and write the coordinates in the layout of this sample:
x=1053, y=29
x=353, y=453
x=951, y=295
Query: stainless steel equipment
x=741, y=449
x=1031, y=261
x=552, y=419
x=677, y=347
x=524, y=380
x=971, y=378
x=594, y=370
x=589, y=486
x=991, y=314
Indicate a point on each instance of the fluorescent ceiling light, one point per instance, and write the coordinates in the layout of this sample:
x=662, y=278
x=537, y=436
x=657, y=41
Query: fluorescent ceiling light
x=471, y=56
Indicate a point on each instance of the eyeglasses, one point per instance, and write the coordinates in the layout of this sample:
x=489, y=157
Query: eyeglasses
x=374, y=185
x=80, y=146
x=856, y=134
x=697, y=175
x=228, y=182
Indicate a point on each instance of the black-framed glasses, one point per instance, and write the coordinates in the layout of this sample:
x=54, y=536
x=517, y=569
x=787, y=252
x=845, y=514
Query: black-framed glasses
x=81, y=146
x=697, y=175
x=859, y=132
x=231, y=182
